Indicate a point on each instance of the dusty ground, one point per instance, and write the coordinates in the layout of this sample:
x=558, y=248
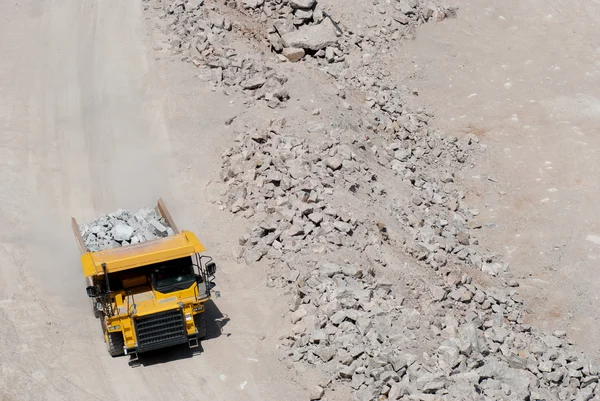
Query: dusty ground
x=525, y=78
x=91, y=123
x=93, y=119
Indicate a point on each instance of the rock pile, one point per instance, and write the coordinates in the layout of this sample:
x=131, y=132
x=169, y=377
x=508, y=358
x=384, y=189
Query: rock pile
x=200, y=35
x=455, y=341
x=327, y=203
x=286, y=180
x=302, y=27
x=124, y=228
x=457, y=344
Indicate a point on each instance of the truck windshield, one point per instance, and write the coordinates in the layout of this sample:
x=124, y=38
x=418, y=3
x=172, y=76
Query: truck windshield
x=173, y=278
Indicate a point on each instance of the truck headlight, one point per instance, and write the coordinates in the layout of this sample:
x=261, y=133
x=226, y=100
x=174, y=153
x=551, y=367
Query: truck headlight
x=113, y=328
x=188, y=316
x=199, y=308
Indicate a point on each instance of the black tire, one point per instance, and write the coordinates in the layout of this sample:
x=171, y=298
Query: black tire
x=115, y=344
x=200, y=323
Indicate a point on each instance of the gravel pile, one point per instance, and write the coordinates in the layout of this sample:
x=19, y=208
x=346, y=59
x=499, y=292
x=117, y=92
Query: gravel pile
x=124, y=228
x=453, y=340
x=296, y=28
x=201, y=35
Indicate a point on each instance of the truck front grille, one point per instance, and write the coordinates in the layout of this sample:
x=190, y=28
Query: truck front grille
x=160, y=330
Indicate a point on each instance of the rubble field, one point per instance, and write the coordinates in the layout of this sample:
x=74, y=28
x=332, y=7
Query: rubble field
x=360, y=217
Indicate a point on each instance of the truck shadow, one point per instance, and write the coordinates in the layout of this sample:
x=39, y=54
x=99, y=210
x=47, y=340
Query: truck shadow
x=215, y=321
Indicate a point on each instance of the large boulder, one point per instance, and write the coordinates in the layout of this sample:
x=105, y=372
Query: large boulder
x=312, y=37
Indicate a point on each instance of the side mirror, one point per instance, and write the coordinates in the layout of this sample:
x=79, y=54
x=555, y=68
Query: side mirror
x=92, y=292
x=211, y=268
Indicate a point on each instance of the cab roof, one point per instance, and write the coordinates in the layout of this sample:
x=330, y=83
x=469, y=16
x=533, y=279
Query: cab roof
x=127, y=257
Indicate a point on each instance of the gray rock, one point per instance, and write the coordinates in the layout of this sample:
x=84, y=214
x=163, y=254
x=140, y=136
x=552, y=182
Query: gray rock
x=316, y=217
x=318, y=336
x=352, y=271
x=545, y=366
x=283, y=26
x=500, y=334
x=325, y=353
x=357, y=381
x=295, y=317
x=276, y=42
x=560, y=334
x=338, y=317
x=585, y=394
x=253, y=83
x=368, y=393
x=330, y=54
x=311, y=37
x=462, y=238
x=293, y=54
x=343, y=227
x=255, y=254
x=461, y=294
x=401, y=361
x=357, y=351
x=468, y=340
x=437, y=293
x=363, y=324
x=551, y=341
x=555, y=376
x=334, y=163
x=520, y=381
x=317, y=393
x=192, y=5
x=302, y=3
x=303, y=14
x=329, y=269
x=405, y=7
x=121, y=232
x=346, y=372
x=159, y=227
x=402, y=154
x=253, y=3
x=589, y=379
x=451, y=355
x=433, y=386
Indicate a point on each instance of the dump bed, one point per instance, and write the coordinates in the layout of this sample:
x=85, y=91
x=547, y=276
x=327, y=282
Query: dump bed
x=180, y=245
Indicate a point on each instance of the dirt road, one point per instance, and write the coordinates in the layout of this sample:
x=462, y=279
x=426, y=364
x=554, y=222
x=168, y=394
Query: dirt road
x=88, y=126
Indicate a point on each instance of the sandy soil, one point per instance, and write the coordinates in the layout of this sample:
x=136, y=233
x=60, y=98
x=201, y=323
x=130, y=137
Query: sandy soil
x=90, y=123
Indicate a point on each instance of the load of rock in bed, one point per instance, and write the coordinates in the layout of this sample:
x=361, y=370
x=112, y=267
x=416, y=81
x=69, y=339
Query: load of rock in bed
x=124, y=228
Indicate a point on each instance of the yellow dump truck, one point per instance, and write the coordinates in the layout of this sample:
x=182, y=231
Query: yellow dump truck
x=151, y=294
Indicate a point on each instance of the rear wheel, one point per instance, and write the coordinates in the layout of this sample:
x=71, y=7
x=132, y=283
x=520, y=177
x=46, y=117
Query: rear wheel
x=200, y=323
x=115, y=344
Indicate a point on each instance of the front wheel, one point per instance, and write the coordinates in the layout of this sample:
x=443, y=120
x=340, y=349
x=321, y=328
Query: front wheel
x=200, y=323
x=115, y=344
